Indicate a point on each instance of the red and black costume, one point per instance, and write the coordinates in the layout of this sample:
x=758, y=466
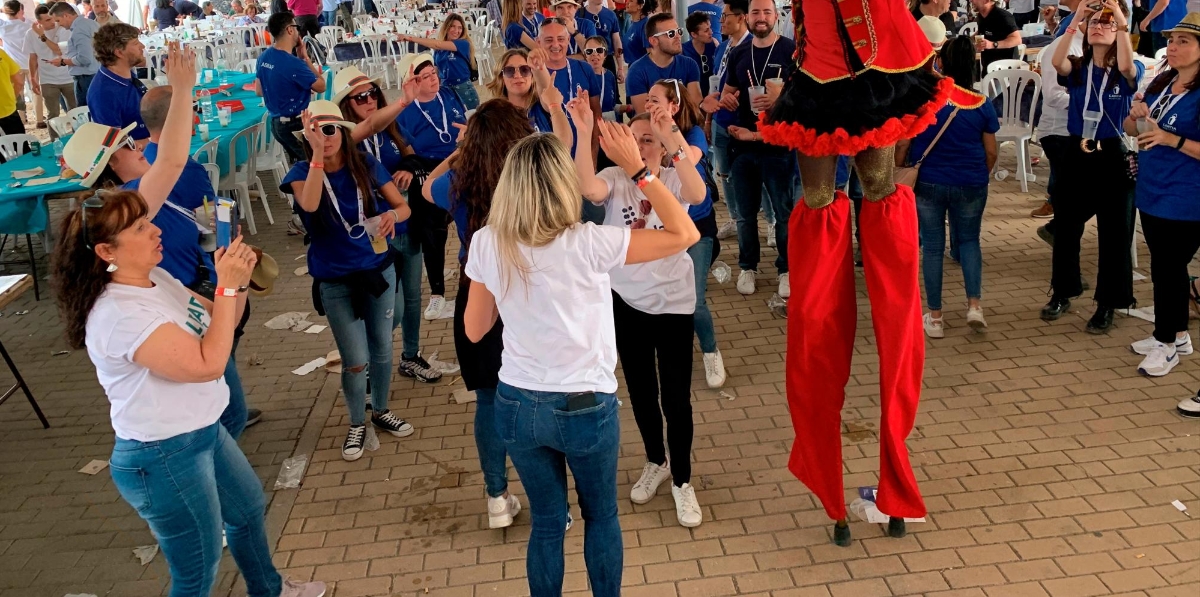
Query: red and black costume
x=859, y=87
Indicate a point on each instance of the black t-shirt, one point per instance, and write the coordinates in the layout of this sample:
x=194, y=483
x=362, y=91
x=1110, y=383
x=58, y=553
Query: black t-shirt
x=996, y=26
x=187, y=8
x=750, y=66
x=945, y=17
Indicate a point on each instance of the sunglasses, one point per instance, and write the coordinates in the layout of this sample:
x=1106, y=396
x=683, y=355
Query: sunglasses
x=366, y=96
x=329, y=130
x=597, y=51
x=670, y=33
x=510, y=72
x=94, y=202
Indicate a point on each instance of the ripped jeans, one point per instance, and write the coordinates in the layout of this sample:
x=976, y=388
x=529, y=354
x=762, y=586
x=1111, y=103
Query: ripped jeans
x=361, y=339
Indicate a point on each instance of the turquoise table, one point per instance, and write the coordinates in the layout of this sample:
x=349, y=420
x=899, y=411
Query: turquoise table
x=252, y=114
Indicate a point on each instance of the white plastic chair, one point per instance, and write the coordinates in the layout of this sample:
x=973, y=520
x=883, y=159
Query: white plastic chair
x=62, y=125
x=79, y=116
x=13, y=146
x=1011, y=85
x=239, y=179
x=247, y=66
x=270, y=156
x=379, y=57
x=1006, y=64
x=971, y=28
x=207, y=153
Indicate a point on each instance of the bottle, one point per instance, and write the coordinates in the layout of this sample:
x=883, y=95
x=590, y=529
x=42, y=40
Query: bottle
x=207, y=110
x=58, y=153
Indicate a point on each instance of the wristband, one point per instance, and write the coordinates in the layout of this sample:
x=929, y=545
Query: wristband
x=1179, y=145
x=1070, y=31
x=645, y=180
x=229, y=292
x=678, y=155
x=317, y=165
x=640, y=173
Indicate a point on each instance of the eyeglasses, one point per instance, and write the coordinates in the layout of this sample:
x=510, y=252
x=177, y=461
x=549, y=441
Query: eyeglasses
x=1103, y=25
x=510, y=72
x=590, y=51
x=670, y=33
x=366, y=96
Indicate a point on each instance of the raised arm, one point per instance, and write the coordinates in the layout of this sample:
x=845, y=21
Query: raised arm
x=692, y=189
x=174, y=144
x=433, y=44
x=1079, y=23
x=593, y=189
x=382, y=118
x=308, y=191
x=442, y=168
x=1125, y=62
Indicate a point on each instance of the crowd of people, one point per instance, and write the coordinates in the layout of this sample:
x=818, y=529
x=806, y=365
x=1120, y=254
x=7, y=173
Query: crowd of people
x=584, y=195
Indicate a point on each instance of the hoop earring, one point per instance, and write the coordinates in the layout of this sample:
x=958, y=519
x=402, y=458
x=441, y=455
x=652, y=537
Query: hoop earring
x=112, y=267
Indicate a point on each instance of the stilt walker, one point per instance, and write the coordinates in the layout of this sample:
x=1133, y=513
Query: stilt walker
x=859, y=87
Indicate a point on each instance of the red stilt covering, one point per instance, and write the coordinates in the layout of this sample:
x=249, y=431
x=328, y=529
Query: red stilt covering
x=890, y=254
x=820, y=341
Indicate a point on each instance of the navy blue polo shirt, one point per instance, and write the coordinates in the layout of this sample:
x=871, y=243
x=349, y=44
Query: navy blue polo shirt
x=644, y=73
x=584, y=26
x=958, y=159
x=420, y=122
x=116, y=101
x=383, y=148
x=635, y=42
x=577, y=73
x=539, y=118
x=608, y=90
x=726, y=117
x=695, y=138
x=454, y=67
x=528, y=26
x=286, y=82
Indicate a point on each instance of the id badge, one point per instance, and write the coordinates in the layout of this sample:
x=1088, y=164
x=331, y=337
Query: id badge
x=1091, y=123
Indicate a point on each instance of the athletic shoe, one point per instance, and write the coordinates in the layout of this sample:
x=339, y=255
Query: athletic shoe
x=1046, y=236
x=653, y=475
x=1160, y=361
x=352, y=448
x=714, y=369
x=745, y=283
x=502, y=511
x=1191, y=407
x=570, y=521
x=934, y=328
x=302, y=589
x=687, y=509
x=418, y=368
x=785, y=287
x=434, y=310
x=1043, y=212
x=771, y=235
x=253, y=415
x=975, y=319
x=1182, y=345
x=295, y=227
x=728, y=230
x=392, y=424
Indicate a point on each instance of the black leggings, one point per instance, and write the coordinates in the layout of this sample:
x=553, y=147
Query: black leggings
x=430, y=225
x=640, y=338
x=1172, y=244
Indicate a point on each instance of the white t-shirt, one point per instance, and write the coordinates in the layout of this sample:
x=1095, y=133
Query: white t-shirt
x=666, y=285
x=13, y=34
x=558, y=327
x=48, y=74
x=146, y=407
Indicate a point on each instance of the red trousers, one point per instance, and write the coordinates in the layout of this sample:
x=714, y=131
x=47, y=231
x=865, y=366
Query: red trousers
x=822, y=313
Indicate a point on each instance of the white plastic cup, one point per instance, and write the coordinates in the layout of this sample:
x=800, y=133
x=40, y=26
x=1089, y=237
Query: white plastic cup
x=756, y=91
x=714, y=83
x=203, y=128
x=225, y=114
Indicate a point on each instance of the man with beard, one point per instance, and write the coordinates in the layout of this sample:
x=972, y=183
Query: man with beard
x=115, y=96
x=102, y=13
x=79, y=57
x=662, y=62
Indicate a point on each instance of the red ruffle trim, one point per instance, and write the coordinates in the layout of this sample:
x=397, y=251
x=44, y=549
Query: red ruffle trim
x=811, y=143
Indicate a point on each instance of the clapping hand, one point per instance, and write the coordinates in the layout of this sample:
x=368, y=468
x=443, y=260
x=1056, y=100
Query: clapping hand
x=661, y=122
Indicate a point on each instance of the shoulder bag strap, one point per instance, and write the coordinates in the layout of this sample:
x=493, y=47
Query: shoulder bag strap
x=935, y=139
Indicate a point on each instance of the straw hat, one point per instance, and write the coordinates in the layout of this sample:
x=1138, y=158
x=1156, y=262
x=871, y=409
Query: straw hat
x=325, y=112
x=1189, y=24
x=90, y=148
x=934, y=30
x=266, y=271
x=413, y=61
x=347, y=79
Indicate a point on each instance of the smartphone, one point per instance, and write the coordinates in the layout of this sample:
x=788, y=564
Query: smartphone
x=227, y=218
x=581, y=401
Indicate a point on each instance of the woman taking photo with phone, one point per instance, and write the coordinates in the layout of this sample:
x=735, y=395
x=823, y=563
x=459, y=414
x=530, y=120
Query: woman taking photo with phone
x=547, y=276
x=1101, y=84
x=350, y=207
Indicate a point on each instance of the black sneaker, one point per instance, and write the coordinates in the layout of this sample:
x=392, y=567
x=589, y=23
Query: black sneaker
x=391, y=424
x=419, y=368
x=1055, y=308
x=352, y=448
x=1101, y=322
x=253, y=415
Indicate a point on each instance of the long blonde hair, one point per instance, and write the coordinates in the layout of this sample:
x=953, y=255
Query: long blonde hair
x=444, y=34
x=496, y=86
x=537, y=198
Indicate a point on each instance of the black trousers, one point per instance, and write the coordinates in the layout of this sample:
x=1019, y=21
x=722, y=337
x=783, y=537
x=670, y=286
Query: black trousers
x=1055, y=148
x=12, y=124
x=308, y=25
x=668, y=336
x=1094, y=184
x=429, y=224
x=1173, y=244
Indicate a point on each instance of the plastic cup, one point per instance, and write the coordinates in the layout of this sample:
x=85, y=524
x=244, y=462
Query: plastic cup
x=203, y=128
x=756, y=91
x=714, y=83
x=1143, y=126
x=225, y=114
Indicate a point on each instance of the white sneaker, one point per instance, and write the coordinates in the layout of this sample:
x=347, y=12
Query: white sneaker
x=771, y=235
x=1190, y=408
x=728, y=230
x=647, y=486
x=687, y=509
x=745, y=283
x=502, y=511
x=975, y=318
x=302, y=589
x=1160, y=361
x=436, y=304
x=785, y=287
x=714, y=369
x=934, y=328
x=1182, y=345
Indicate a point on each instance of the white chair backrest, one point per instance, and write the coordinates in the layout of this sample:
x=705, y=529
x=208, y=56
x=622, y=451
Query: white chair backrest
x=62, y=125
x=246, y=138
x=1159, y=55
x=1011, y=86
x=247, y=66
x=214, y=175
x=971, y=28
x=1006, y=64
x=207, y=153
x=12, y=146
x=80, y=115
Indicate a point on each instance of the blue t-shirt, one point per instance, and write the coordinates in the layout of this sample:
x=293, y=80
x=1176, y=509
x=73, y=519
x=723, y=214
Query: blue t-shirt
x=1168, y=183
x=635, y=42
x=608, y=90
x=706, y=61
x=1170, y=17
x=695, y=138
x=332, y=252
x=584, y=26
x=726, y=117
x=1063, y=25
x=512, y=33
x=605, y=21
x=643, y=73
x=420, y=123
x=577, y=73
x=714, y=16
x=540, y=119
x=1117, y=98
x=383, y=148
x=454, y=67
x=457, y=209
x=286, y=82
x=180, y=236
x=958, y=159
x=116, y=101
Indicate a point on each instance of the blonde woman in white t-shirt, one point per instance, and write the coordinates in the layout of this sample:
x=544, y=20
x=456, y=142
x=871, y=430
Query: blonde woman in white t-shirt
x=547, y=275
x=653, y=304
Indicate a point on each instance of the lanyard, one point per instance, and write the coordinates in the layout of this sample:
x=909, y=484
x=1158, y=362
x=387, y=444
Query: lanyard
x=1087, y=94
x=372, y=146
x=571, y=81
x=333, y=198
x=189, y=214
x=604, y=79
x=759, y=76
x=1166, y=108
x=530, y=26
x=725, y=56
x=444, y=132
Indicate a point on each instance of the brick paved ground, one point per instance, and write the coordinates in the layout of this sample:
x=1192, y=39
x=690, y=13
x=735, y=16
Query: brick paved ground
x=1047, y=463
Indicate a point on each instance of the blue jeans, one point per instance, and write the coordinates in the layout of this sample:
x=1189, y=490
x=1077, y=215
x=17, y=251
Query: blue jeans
x=964, y=205
x=721, y=164
x=329, y=18
x=492, y=454
x=361, y=339
x=543, y=439
x=185, y=487
x=408, y=293
x=234, y=416
x=701, y=254
x=778, y=174
x=467, y=93
x=82, y=83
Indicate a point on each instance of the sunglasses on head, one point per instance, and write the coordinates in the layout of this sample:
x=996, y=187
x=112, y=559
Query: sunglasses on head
x=670, y=33
x=366, y=96
x=597, y=51
x=94, y=202
x=512, y=71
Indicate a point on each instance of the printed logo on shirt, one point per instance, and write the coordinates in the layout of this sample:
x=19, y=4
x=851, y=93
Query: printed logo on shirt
x=641, y=216
x=1171, y=122
x=195, y=320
